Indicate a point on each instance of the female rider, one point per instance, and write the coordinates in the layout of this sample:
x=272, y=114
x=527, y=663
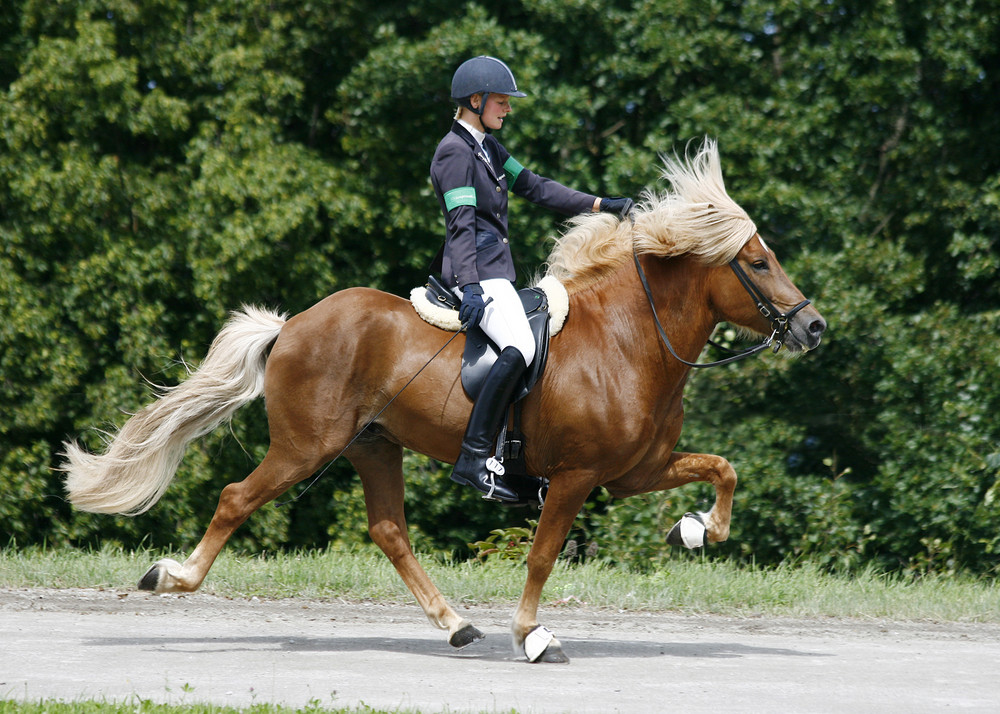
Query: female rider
x=472, y=173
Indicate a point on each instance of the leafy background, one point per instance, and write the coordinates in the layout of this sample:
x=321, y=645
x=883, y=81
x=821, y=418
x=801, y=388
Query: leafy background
x=162, y=162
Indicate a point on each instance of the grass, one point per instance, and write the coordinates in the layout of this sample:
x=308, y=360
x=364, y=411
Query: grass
x=687, y=585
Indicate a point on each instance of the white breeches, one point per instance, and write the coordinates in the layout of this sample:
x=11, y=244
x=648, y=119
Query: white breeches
x=504, y=321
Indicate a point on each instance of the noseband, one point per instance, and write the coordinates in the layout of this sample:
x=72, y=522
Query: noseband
x=779, y=320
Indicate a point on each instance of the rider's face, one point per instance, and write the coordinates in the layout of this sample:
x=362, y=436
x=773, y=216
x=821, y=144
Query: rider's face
x=496, y=109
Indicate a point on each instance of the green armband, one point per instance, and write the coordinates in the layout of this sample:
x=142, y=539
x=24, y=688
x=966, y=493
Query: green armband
x=512, y=169
x=461, y=196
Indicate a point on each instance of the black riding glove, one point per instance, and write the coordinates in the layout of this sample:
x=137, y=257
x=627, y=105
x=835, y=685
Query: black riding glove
x=620, y=206
x=473, y=308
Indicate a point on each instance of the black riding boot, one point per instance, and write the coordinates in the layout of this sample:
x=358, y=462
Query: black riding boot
x=487, y=414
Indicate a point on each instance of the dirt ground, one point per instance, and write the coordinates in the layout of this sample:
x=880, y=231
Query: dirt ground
x=129, y=645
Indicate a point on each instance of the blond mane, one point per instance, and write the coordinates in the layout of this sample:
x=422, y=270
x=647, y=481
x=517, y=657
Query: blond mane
x=695, y=216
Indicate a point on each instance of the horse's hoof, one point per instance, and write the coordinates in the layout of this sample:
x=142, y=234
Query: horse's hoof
x=553, y=654
x=465, y=637
x=689, y=531
x=540, y=645
x=158, y=578
x=151, y=579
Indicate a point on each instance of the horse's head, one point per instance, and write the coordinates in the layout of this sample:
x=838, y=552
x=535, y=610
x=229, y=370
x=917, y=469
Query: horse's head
x=699, y=218
x=696, y=218
x=756, y=294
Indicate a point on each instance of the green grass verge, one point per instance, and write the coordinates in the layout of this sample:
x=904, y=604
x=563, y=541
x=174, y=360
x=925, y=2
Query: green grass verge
x=689, y=584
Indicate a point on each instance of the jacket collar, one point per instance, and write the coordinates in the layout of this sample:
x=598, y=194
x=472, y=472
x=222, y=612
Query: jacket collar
x=477, y=149
x=479, y=136
x=457, y=128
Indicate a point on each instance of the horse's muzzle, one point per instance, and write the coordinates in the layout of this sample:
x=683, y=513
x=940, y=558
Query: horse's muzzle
x=805, y=330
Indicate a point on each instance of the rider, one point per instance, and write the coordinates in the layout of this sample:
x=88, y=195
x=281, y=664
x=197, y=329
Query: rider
x=472, y=172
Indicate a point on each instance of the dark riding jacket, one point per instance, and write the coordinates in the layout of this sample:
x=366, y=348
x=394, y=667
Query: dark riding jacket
x=472, y=190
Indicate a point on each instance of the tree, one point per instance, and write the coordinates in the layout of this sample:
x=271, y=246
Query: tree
x=164, y=162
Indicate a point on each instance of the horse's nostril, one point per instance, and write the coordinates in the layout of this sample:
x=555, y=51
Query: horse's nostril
x=817, y=327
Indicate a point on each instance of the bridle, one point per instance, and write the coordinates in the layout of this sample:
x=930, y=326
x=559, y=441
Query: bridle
x=779, y=320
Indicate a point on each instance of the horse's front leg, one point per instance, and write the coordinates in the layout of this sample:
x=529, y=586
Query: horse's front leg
x=564, y=501
x=684, y=468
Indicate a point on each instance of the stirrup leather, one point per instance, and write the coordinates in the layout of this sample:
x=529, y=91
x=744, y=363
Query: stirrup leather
x=509, y=446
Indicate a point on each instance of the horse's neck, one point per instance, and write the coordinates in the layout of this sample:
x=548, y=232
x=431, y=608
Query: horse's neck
x=680, y=292
x=679, y=287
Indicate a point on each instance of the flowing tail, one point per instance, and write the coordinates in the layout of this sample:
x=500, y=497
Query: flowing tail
x=141, y=459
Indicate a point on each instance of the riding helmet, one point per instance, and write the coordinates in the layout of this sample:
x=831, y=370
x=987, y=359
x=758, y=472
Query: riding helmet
x=482, y=74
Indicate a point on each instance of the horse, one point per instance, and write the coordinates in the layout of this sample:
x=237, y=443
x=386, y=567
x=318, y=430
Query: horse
x=606, y=412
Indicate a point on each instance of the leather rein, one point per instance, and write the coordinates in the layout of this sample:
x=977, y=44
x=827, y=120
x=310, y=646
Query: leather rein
x=779, y=320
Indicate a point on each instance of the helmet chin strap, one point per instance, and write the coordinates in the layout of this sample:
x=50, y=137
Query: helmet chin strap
x=479, y=112
x=482, y=108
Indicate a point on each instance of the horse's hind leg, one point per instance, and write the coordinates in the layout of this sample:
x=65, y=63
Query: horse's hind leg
x=237, y=502
x=380, y=465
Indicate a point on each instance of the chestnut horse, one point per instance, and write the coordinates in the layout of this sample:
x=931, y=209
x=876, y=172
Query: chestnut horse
x=607, y=412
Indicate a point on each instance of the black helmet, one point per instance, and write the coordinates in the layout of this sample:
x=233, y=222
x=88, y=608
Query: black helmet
x=482, y=74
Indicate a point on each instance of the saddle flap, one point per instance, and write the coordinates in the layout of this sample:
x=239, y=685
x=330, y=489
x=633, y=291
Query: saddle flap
x=480, y=353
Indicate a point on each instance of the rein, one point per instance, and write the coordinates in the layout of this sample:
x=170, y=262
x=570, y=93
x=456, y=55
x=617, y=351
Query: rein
x=779, y=320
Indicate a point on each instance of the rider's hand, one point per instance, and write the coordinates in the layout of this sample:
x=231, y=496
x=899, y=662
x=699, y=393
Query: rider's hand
x=473, y=308
x=622, y=207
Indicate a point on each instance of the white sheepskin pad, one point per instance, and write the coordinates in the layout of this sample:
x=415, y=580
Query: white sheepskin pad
x=447, y=319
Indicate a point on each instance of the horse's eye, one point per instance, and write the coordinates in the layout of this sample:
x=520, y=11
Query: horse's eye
x=760, y=265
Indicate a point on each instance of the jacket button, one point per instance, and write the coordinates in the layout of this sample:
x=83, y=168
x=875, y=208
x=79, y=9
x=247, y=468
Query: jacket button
x=505, y=240
x=499, y=189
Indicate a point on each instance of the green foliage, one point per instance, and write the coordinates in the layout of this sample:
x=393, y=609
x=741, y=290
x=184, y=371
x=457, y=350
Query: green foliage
x=506, y=544
x=163, y=162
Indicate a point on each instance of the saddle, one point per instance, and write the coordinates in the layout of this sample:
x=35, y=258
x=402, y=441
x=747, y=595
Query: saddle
x=481, y=353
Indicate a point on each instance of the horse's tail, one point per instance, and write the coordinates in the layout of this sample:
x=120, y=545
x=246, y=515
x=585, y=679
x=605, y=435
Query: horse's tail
x=141, y=459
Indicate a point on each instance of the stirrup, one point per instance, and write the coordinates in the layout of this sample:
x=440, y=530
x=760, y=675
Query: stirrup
x=507, y=447
x=486, y=477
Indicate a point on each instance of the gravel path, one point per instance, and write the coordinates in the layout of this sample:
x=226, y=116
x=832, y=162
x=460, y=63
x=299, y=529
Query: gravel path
x=128, y=645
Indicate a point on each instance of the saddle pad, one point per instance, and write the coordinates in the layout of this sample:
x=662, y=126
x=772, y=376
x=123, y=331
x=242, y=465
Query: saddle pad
x=447, y=319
